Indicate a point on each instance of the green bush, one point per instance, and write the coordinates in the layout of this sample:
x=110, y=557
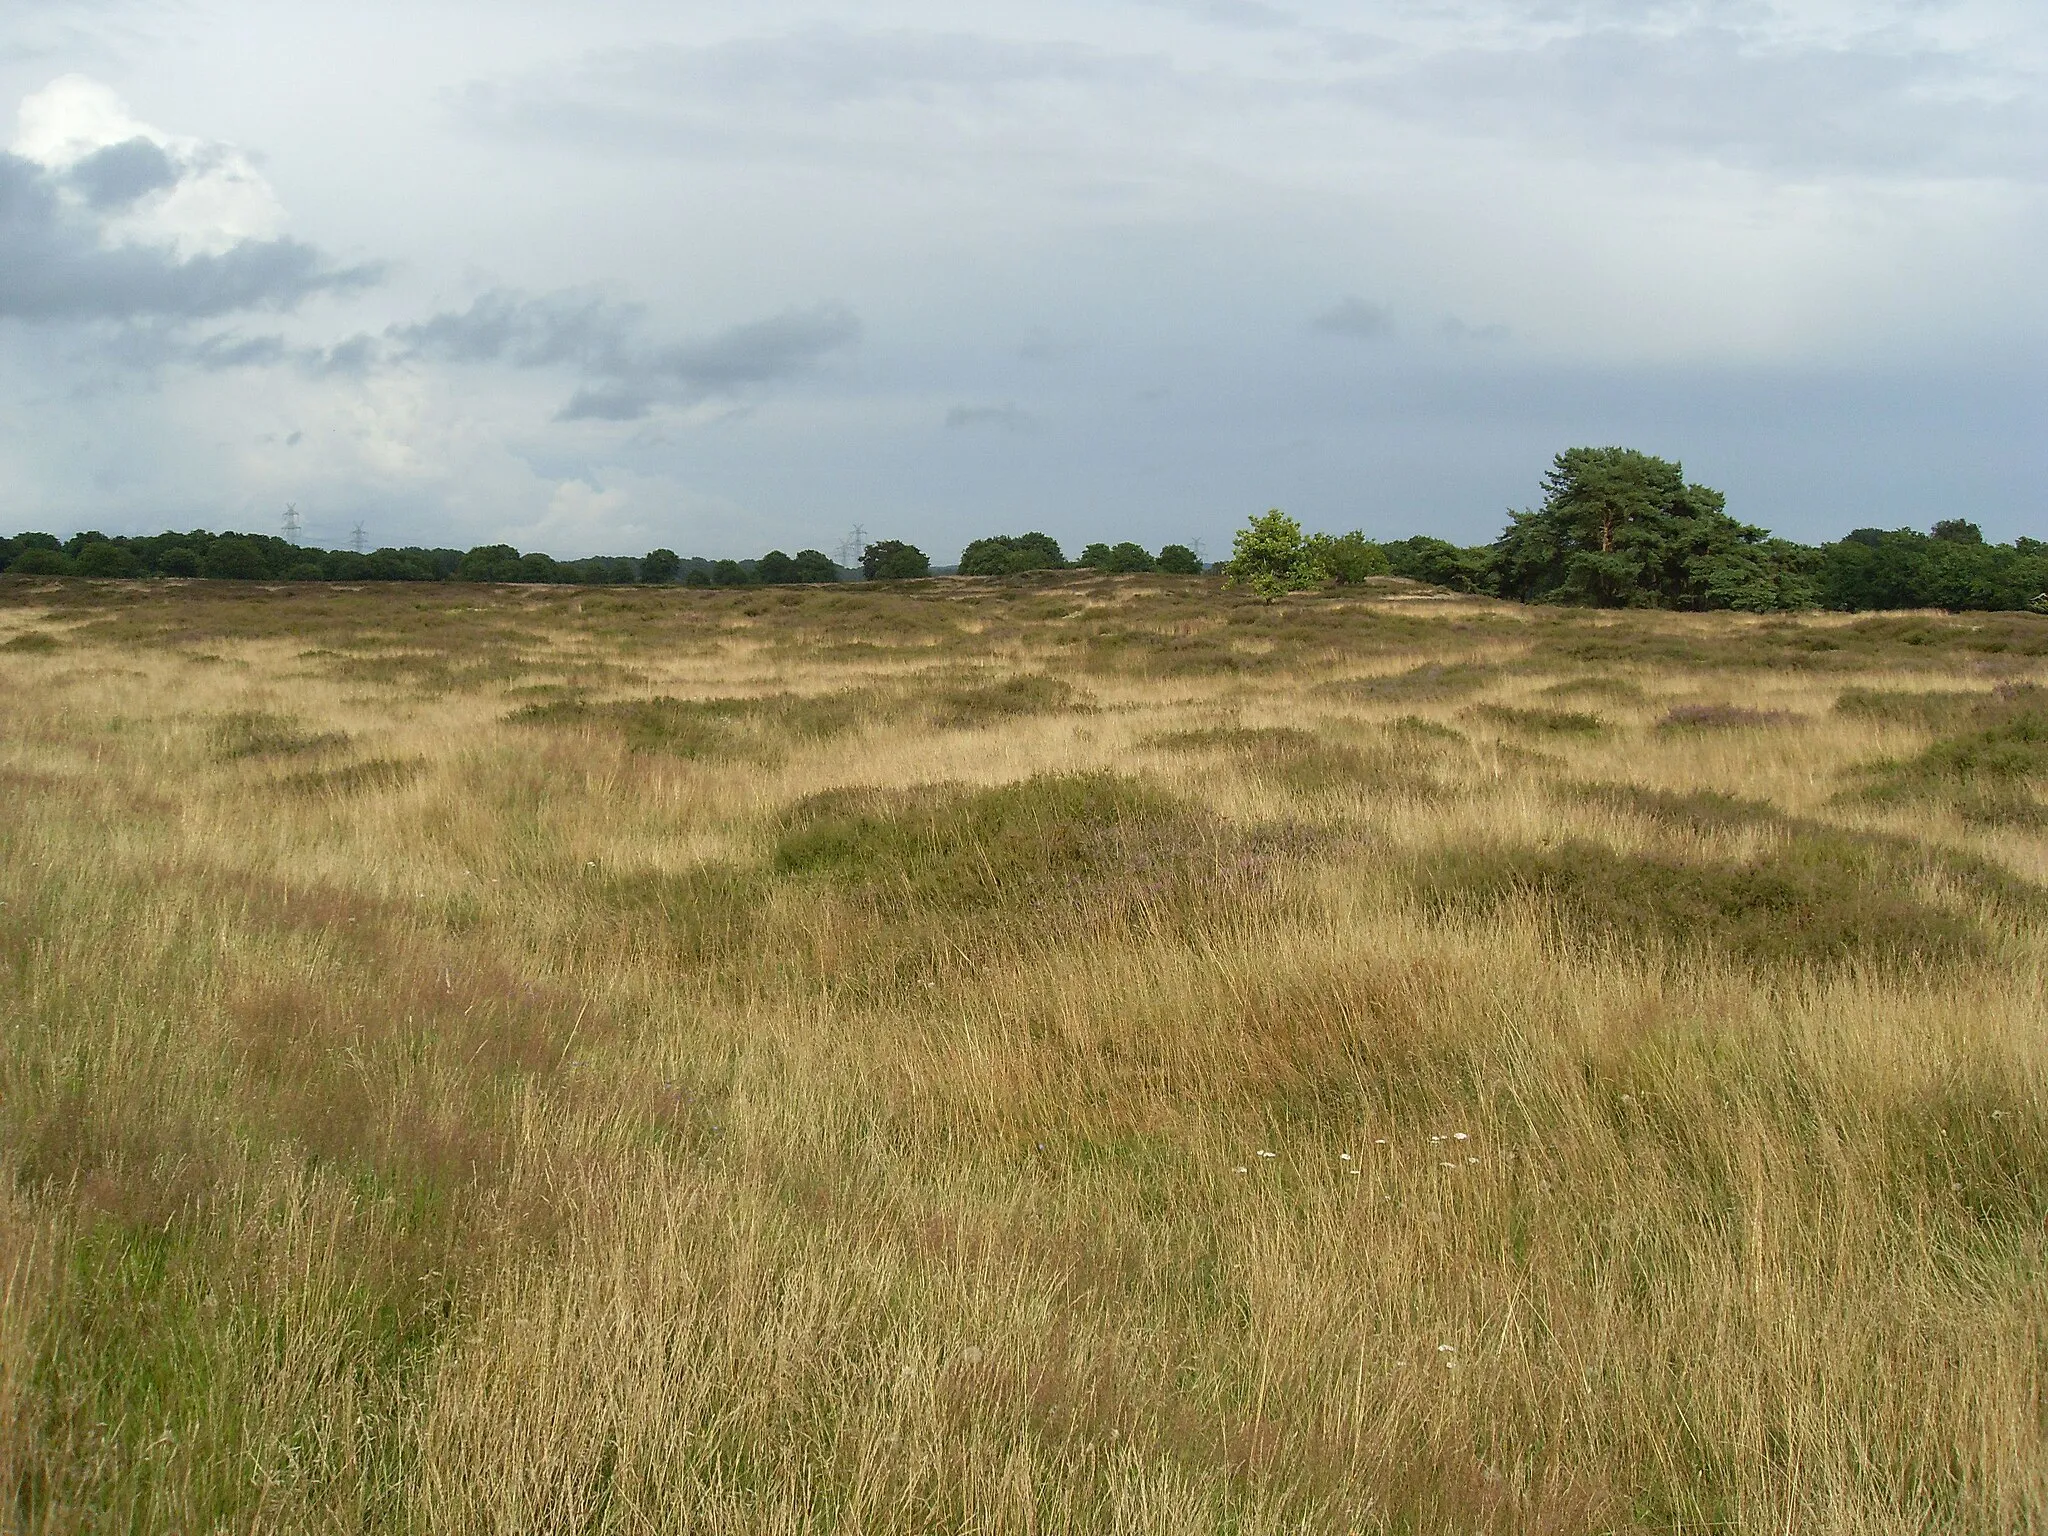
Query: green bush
x=1179, y=560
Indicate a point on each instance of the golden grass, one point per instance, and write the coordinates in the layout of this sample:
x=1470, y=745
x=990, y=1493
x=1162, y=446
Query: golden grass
x=1058, y=1055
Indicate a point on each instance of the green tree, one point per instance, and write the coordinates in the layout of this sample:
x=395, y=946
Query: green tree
x=660, y=566
x=234, y=557
x=728, y=573
x=39, y=560
x=1094, y=557
x=893, y=560
x=1270, y=556
x=1179, y=560
x=1441, y=563
x=490, y=562
x=775, y=569
x=105, y=558
x=1349, y=557
x=1128, y=558
x=1006, y=554
x=1623, y=529
x=814, y=566
x=177, y=560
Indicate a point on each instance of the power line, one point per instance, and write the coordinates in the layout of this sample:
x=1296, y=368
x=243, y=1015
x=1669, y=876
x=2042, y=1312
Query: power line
x=291, y=522
x=358, y=539
x=852, y=545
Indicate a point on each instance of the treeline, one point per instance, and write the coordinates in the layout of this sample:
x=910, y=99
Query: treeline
x=262, y=557
x=1624, y=529
x=1617, y=528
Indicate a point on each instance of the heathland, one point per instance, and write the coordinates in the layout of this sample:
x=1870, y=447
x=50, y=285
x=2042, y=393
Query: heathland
x=1058, y=1054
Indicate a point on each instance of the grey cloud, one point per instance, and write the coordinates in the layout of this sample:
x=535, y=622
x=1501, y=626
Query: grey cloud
x=53, y=265
x=1006, y=418
x=1355, y=318
x=119, y=174
x=626, y=375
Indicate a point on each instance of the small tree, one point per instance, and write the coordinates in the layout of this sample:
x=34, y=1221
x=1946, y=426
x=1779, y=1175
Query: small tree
x=660, y=566
x=775, y=569
x=1270, y=556
x=893, y=560
x=1128, y=558
x=1179, y=560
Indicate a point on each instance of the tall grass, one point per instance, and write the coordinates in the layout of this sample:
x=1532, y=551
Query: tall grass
x=1071, y=1054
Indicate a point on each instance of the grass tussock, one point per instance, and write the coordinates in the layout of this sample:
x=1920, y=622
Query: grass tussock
x=663, y=1060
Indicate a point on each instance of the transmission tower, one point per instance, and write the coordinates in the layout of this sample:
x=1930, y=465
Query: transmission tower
x=291, y=522
x=358, y=539
x=851, y=546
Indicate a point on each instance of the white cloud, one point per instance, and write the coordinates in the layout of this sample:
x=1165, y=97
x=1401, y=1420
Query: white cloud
x=217, y=200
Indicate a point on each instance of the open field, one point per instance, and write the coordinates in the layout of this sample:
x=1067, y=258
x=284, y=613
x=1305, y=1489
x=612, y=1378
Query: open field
x=1080, y=1054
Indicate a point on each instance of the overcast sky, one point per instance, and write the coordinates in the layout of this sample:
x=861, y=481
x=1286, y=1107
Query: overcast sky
x=731, y=276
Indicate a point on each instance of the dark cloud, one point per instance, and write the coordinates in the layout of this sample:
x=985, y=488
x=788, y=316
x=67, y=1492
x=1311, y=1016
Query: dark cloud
x=1355, y=318
x=1006, y=418
x=626, y=374
x=54, y=265
x=116, y=176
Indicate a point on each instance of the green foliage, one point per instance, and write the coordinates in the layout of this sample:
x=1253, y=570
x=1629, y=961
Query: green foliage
x=1623, y=529
x=37, y=561
x=1179, y=560
x=1350, y=558
x=232, y=557
x=1005, y=554
x=1270, y=556
x=1440, y=563
x=177, y=561
x=893, y=560
x=1129, y=559
x=812, y=566
x=775, y=569
x=103, y=558
x=1904, y=569
x=659, y=566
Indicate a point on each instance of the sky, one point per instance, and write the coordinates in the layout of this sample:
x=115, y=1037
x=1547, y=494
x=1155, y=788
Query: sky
x=723, y=277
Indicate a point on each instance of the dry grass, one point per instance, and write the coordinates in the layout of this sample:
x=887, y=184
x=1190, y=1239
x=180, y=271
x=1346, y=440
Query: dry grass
x=1056, y=1055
